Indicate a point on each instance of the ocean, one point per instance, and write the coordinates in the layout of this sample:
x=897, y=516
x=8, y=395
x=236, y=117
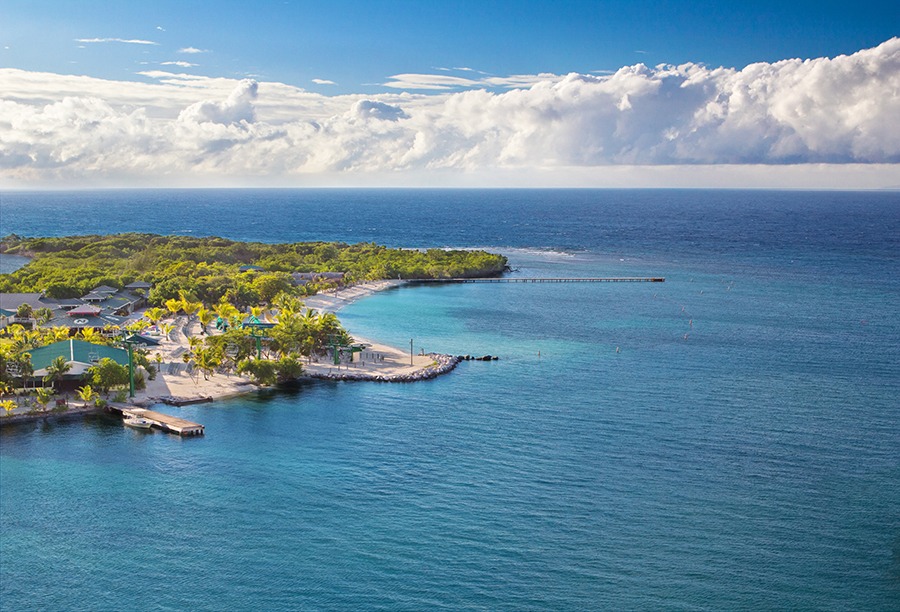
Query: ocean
x=728, y=439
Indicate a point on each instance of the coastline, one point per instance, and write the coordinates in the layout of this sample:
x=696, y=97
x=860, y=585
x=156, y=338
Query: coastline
x=378, y=362
x=174, y=384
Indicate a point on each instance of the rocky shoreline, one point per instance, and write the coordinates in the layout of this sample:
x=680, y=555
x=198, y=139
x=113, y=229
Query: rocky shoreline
x=442, y=364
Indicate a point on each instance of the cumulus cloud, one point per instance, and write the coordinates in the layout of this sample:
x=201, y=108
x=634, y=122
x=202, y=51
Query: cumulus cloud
x=237, y=108
x=179, y=64
x=372, y=109
x=323, y=82
x=192, y=50
x=838, y=110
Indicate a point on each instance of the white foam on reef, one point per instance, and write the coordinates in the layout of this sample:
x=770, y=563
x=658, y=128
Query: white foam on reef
x=548, y=252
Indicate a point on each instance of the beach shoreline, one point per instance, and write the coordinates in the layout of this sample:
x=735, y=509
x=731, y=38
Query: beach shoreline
x=377, y=362
x=175, y=385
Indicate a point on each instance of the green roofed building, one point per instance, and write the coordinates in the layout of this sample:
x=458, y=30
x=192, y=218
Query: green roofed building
x=80, y=354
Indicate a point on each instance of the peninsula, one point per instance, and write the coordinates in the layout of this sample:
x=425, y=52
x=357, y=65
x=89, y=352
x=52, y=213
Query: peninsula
x=201, y=317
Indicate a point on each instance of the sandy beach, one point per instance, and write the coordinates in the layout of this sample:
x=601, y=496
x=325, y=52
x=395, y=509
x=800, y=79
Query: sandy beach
x=377, y=361
x=174, y=380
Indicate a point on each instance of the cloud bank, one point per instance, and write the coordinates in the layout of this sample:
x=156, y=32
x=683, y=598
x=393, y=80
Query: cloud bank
x=189, y=129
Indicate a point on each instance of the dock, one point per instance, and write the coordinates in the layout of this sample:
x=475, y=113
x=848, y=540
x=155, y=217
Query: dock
x=612, y=279
x=166, y=422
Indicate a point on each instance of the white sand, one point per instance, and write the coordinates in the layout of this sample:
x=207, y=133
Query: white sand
x=376, y=359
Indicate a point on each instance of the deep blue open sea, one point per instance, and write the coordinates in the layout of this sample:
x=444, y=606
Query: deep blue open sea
x=726, y=440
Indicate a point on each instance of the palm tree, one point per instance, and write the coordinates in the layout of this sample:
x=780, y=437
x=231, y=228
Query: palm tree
x=57, y=370
x=287, y=305
x=166, y=329
x=137, y=326
x=174, y=306
x=207, y=360
x=205, y=317
x=194, y=343
x=86, y=394
x=155, y=314
x=57, y=334
x=43, y=397
x=189, y=307
x=88, y=333
x=227, y=312
x=24, y=311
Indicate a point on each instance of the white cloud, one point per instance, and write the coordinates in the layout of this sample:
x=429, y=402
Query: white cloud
x=116, y=40
x=826, y=119
x=237, y=108
x=323, y=82
x=192, y=50
x=180, y=64
x=438, y=82
x=428, y=81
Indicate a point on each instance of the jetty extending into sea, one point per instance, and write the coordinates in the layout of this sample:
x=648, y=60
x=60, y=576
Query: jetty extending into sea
x=507, y=279
x=166, y=422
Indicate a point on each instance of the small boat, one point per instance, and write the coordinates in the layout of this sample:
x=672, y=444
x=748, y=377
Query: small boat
x=138, y=422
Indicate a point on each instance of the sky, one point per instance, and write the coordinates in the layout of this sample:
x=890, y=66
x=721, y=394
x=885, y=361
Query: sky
x=608, y=93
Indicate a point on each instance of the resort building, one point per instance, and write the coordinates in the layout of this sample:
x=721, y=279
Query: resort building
x=80, y=355
x=101, y=307
x=302, y=278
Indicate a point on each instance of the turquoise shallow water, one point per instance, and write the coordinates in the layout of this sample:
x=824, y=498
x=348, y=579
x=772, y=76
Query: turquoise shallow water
x=753, y=464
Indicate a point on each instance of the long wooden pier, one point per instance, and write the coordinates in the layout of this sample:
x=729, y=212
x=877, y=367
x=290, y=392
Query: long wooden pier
x=162, y=421
x=614, y=279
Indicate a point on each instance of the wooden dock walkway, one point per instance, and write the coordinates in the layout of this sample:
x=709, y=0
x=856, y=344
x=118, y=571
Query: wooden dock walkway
x=162, y=421
x=616, y=279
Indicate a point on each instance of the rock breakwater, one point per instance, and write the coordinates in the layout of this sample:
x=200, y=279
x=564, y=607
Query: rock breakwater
x=441, y=365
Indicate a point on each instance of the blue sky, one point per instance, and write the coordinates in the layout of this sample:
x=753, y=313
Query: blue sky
x=359, y=44
x=408, y=92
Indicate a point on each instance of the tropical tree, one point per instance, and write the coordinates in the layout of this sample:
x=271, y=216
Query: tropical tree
x=207, y=360
x=43, y=397
x=88, y=334
x=174, y=305
x=155, y=314
x=287, y=305
x=189, y=308
x=42, y=315
x=205, y=316
x=288, y=368
x=57, y=333
x=108, y=374
x=228, y=313
x=138, y=325
x=24, y=311
x=57, y=369
x=262, y=371
x=86, y=394
x=166, y=329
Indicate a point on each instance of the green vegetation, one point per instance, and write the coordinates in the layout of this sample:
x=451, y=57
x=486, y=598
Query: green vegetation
x=207, y=270
x=201, y=278
x=108, y=374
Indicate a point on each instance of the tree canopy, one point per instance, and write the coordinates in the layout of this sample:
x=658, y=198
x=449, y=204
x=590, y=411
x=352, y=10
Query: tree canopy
x=209, y=269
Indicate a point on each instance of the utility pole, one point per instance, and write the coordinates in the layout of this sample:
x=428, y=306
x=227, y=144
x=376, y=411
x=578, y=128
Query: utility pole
x=410, y=351
x=130, y=369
